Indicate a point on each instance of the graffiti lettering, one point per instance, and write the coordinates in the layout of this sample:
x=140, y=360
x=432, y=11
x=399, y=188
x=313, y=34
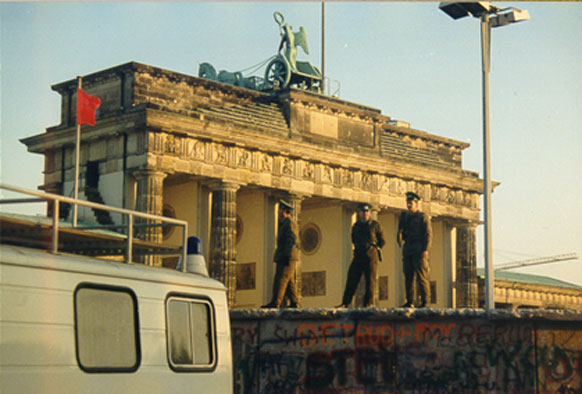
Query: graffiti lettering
x=242, y=334
x=366, y=365
x=326, y=334
x=365, y=334
x=425, y=331
x=333, y=356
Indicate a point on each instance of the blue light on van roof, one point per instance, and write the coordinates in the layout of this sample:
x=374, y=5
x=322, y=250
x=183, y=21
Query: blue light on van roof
x=194, y=245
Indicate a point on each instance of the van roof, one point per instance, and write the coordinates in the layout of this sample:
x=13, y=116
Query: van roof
x=42, y=259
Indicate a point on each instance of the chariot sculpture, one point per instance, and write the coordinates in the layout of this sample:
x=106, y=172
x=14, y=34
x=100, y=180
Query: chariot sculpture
x=285, y=69
x=282, y=69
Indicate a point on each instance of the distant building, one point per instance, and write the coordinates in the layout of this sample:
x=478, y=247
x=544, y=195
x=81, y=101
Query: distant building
x=221, y=156
x=518, y=290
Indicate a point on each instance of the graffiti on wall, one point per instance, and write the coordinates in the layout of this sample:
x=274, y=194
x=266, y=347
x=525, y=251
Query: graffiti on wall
x=369, y=356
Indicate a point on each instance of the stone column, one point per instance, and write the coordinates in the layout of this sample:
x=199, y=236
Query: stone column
x=466, y=266
x=149, y=199
x=222, y=264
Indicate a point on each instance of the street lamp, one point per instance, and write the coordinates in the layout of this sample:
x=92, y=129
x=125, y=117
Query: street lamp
x=491, y=16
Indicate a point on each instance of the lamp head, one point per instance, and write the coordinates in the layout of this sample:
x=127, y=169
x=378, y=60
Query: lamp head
x=457, y=10
x=477, y=9
x=499, y=17
x=512, y=16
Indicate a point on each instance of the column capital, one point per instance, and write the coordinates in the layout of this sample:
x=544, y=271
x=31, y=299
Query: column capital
x=140, y=174
x=218, y=184
x=294, y=197
x=465, y=224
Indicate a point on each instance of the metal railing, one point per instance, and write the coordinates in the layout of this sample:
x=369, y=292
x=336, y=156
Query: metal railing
x=130, y=226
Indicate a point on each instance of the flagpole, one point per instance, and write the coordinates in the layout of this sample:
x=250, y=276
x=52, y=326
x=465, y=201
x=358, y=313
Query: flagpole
x=323, y=47
x=77, y=154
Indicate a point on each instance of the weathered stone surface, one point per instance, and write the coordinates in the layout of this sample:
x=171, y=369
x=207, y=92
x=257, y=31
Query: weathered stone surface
x=222, y=264
x=149, y=199
x=406, y=350
x=466, y=266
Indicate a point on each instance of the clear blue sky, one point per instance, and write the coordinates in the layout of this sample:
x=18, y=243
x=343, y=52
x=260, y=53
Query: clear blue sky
x=408, y=59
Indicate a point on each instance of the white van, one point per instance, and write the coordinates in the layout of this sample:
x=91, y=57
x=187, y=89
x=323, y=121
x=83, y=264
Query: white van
x=75, y=324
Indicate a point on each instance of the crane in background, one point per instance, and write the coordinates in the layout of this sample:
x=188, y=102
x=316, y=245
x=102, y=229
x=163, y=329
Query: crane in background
x=537, y=261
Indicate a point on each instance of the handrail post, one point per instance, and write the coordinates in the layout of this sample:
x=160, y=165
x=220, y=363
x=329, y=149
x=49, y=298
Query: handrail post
x=129, y=252
x=184, y=246
x=56, y=214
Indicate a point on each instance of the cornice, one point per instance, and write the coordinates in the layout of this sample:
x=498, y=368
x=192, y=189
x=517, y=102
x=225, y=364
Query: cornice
x=407, y=131
x=330, y=105
x=132, y=68
x=104, y=128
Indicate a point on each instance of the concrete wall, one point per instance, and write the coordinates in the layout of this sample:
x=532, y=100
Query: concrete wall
x=399, y=350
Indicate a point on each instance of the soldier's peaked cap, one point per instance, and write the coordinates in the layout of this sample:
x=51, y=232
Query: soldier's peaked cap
x=285, y=204
x=412, y=196
x=364, y=207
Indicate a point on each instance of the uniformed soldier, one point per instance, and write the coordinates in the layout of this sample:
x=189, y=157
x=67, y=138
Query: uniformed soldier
x=286, y=257
x=368, y=239
x=414, y=230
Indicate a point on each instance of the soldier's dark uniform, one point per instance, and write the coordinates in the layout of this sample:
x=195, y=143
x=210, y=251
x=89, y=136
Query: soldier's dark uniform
x=286, y=257
x=414, y=229
x=368, y=239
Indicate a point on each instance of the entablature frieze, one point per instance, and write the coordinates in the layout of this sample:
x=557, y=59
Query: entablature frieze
x=276, y=164
x=538, y=295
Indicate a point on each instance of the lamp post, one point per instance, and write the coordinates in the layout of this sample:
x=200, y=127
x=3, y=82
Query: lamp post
x=490, y=16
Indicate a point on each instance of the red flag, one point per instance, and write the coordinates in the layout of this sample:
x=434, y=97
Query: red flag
x=86, y=107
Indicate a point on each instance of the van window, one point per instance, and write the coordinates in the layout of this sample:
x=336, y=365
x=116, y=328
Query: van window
x=106, y=328
x=191, y=333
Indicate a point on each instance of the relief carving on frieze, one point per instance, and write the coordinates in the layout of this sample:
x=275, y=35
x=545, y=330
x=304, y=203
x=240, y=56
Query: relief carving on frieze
x=189, y=149
x=287, y=166
x=459, y=198
x=200, y=150
x=243, y=158
x=438, y=193
x=171, y=144
x=366, y=181
x=471, y=200
x=399, y=186
x=347, y=177
x=413, y=186
x=383, y=184
x=450, y=196
x=219, y=154
x=265, y=163
x=308, y=170
x=326, y=174
x=454, y=197
x=423, y=190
